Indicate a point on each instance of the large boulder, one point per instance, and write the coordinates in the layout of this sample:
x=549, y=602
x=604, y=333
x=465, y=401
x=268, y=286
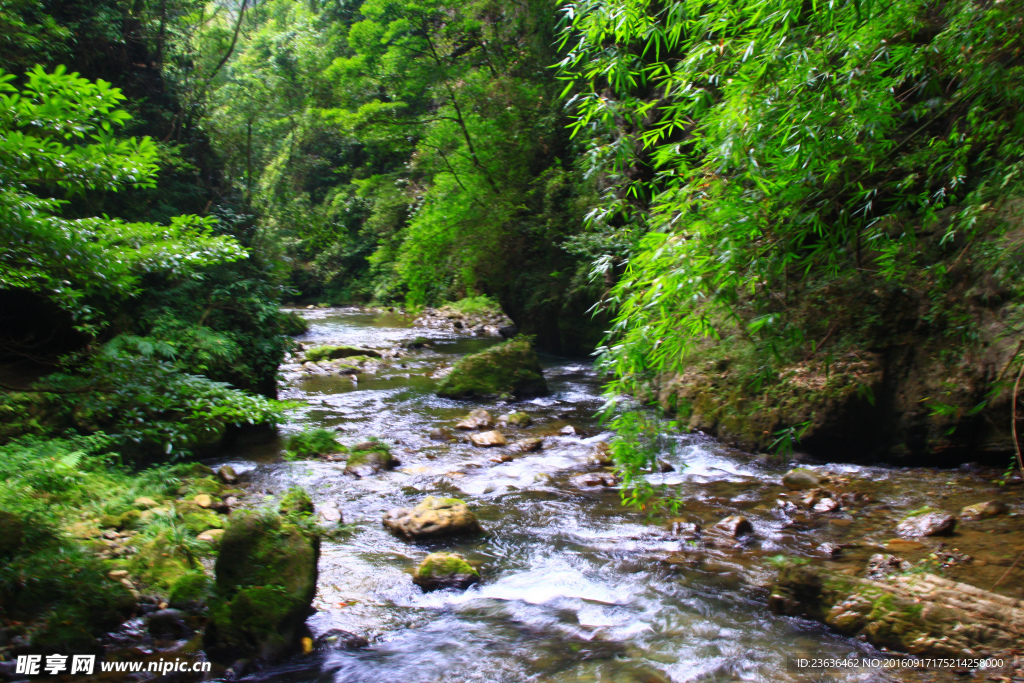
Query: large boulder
x=508, y=368
x=433, y=517
x=445, y=570
x=265, y=582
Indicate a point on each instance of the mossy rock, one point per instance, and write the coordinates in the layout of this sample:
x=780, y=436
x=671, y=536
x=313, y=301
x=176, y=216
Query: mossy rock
x=508, y=368
x=266, y=576
x=200, y=520
x=319, y=353
x=207, y=484
x=293, y=324
x=296, y=502
x=12, y=533
x=190, y=590
x=159, y=562
x=445, y=570
x=366, y=463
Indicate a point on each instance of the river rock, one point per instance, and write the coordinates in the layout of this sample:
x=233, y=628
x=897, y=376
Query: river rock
x=440, y=434
x=203, y=500
x=477, y=419
x=296, y=502
x=923, y=614
x=445, y=570
x=211, y=536
x=882, y=565
x=991, y=508
x=266, y=575
x=488, y=439
x=568, y=430
x=801, y=478
x=226, y=473
x=930, y=523
x=432, y=517
x=368, y=463
x=507, y=368
x=596, y=479
x=517, y=419
x=330, y=513
x=145, y=503
x=602, y=454
x=529, y=445
x=735, y=526
x=168, y=624
x=336, y=639
x=320, y=353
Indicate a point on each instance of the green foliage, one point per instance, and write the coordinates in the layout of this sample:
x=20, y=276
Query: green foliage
x=55, y=584
x=57, y=132
x=641, y=440
x=311, y=443
x=403, y=151
x=786, y=142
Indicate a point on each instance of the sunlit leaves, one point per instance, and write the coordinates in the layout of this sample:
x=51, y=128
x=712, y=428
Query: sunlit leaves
x=57, y=133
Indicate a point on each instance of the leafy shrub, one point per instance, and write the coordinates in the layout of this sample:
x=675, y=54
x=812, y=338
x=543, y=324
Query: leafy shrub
x=311, y=443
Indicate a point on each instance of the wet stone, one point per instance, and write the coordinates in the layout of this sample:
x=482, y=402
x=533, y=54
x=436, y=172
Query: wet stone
x=445, y=570
x=991, y=508
x=488, y=439
x=337, y=639
x=735, y=526
x=932, y=523
x=432, y=517
x=596, y=480
x=801, y=478
x=529, y=445
x=477, y=419
x=227, y=475
x=880, y=566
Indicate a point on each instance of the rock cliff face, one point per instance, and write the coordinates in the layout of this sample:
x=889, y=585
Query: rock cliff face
x=912, y=396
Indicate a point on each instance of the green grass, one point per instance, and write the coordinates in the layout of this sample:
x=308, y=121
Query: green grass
x=476, y=305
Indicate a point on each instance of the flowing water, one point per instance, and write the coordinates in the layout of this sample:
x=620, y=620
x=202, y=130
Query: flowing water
x=574, y=586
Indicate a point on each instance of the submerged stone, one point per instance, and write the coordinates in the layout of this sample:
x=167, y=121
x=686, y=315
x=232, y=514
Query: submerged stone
x=507, y=368
x=432, y=517
x=445, y=570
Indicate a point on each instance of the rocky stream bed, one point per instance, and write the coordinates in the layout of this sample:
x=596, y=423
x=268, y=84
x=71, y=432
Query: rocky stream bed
x=562, y=583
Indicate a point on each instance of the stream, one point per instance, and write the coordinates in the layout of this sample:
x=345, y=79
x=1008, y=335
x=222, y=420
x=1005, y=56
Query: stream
x=574, y=586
